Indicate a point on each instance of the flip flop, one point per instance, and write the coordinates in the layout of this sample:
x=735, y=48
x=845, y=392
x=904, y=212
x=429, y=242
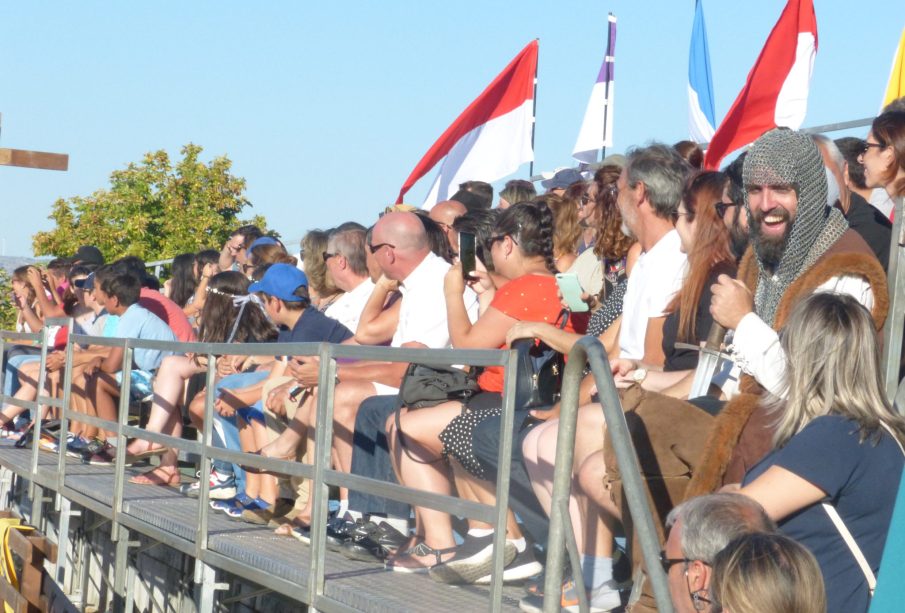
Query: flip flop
x=153, y=477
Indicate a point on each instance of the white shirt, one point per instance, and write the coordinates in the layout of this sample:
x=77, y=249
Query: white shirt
x=422, y=313
x=348, y=307
x=655, y=279
x=755, y=345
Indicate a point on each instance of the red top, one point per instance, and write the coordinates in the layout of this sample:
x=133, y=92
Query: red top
x=170, y=312
x=527, y=298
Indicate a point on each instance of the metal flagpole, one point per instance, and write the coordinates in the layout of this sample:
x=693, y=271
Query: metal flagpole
x=534, y=111
x=609, y=59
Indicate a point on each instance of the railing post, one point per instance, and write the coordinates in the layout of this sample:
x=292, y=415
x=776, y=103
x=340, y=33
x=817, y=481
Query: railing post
x=205, y=469
x=119, y=463
x=590, y=349
x=64, y=414
x=322, y=458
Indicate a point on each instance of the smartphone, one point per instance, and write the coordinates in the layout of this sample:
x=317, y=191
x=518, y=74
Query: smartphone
x=571, y=291
x=467, y=254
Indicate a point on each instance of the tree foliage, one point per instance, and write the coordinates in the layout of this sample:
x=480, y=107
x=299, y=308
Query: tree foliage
x=152, y=209
x=8, y=312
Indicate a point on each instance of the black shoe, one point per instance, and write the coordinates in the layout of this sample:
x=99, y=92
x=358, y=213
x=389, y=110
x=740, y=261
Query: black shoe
x=339, y=532
x=473, y=560
x=373, y=543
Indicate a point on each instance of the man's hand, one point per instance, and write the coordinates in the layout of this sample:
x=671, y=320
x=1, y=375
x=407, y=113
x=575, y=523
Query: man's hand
x=731, y=302
x=276, y=399
x=93, y=366
x=304, y=369
x=229, y=364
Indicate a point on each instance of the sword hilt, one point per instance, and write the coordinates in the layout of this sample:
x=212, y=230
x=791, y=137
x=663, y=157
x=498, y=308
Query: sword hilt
x=715, y=337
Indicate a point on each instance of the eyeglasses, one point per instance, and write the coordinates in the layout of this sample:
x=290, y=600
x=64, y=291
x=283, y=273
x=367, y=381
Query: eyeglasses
x=668, y=563
x=326, y=255
x=375, y=248
x=722, y=207
x=868, y=145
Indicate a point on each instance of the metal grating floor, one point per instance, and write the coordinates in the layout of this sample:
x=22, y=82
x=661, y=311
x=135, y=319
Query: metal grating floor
x=358, y=585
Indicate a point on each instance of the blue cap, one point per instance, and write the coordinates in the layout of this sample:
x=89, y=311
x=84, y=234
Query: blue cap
x=563, y=179
x=281, y=281
x=86, y=284
x=264, y=240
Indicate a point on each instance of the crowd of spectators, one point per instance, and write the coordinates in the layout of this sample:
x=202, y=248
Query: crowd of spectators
x=773, y=489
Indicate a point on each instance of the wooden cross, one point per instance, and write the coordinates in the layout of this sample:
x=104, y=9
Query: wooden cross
x=33, y=159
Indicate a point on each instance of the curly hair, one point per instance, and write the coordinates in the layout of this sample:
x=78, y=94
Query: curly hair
x=566, y=229
x=611, y=242
x=219, y=313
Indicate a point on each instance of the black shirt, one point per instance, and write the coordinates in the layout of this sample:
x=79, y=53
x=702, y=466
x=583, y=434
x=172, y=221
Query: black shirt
x=873, y=226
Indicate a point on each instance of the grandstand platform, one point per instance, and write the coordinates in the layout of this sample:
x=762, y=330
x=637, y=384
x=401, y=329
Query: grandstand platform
x=282, y=563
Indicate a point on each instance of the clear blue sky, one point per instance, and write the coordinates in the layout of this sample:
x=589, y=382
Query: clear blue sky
x=325, y=108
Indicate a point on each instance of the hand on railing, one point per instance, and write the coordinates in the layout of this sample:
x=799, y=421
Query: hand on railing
x=305, y=369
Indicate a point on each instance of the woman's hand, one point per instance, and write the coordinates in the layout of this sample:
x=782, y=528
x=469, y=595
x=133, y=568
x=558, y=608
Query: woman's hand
x=480, y=281
x=621, y=366
x=454, y=284
x=35, y=278
x=387, y=284
x=523, y=329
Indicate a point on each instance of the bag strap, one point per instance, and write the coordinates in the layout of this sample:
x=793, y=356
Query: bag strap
x=847, y=536
x=852, y=545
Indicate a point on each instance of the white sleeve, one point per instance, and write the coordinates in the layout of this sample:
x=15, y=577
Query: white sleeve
x=756, y=348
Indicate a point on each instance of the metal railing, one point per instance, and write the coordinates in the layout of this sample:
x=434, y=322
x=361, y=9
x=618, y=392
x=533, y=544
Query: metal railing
x=321, y=473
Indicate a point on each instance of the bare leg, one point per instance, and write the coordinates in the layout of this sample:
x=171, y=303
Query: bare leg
x=268, y=484
x=168, y=388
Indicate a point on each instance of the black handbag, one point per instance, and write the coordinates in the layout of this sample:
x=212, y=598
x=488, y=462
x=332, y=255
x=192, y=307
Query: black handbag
x=426, y=385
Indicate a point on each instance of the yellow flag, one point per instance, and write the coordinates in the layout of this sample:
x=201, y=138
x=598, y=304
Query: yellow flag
x=896, y=87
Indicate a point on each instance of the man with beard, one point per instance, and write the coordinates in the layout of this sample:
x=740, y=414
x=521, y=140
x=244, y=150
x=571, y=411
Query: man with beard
x=733, y=208
x=799, y=245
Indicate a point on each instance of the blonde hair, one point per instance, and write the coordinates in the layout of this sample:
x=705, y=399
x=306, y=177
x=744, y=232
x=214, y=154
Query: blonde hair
x=832, y=368
x=767, y=573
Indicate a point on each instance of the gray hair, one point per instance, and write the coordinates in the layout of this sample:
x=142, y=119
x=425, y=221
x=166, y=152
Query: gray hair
x=663, y=172
x=710, y=522
x=351, y=244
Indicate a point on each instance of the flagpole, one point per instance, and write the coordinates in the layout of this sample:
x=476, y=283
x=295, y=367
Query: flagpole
x=609, y=83
x=534, y=111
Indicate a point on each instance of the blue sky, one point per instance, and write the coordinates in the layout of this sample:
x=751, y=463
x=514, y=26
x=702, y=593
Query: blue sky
x=324, y=108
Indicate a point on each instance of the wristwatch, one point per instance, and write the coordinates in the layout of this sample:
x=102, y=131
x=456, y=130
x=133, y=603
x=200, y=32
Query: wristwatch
x=638, y=375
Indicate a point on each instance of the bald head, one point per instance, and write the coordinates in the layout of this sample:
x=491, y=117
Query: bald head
x=402, y=230
x=445, y=213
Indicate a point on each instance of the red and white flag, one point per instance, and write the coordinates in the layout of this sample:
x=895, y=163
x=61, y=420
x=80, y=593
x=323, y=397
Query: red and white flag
x=490, y=139
x=776, y=93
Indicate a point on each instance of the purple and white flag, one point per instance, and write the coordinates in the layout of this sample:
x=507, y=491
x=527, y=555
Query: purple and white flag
x=597, y=128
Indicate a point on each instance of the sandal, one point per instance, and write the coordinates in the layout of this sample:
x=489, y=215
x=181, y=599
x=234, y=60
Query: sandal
x=144, y=455
x=407, y=562
x=296, y=530
x=154, y=477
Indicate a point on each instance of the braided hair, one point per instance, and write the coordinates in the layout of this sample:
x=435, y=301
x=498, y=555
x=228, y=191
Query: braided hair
x=531, y=225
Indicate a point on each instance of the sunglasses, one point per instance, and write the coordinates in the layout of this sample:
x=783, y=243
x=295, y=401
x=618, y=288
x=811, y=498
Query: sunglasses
x=668, y=563
x=375, y=248
x=868, y=145
x=326, y=255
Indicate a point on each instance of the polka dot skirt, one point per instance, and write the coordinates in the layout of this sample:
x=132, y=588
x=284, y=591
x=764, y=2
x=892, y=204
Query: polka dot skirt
x=457, y=437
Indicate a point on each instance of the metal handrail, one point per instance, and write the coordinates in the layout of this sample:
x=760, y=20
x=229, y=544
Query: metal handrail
x=321, y=471
x=589, y=349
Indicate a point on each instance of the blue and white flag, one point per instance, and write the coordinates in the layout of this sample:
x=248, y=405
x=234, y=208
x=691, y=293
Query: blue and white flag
x=701, y=116
x=597, y=128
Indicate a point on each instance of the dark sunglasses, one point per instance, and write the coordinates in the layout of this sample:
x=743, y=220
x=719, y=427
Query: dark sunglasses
x=375, y=248
x=868, y=145
x=722, y=207
x=668, y=563
x=327, y=255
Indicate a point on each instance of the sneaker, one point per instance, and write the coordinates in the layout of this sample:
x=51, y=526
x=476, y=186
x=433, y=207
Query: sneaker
x=222, y=487
x=606, y=598
x=473, y=560
x=371, y=542
x=524, y=565
x=75, y=446
x=102, y=457
x=261, y=517
x=235, y=512
x=241, y=500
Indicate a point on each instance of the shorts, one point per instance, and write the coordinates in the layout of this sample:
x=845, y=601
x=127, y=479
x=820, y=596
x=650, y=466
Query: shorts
x=141, y=387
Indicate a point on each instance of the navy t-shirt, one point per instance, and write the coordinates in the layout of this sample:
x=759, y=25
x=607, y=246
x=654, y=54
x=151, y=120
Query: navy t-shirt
x=861, y=480
x=315, y=327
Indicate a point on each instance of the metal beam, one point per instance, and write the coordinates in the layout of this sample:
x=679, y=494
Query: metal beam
x=34, y=159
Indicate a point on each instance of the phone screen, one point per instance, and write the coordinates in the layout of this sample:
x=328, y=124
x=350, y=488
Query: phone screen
x=467, y=253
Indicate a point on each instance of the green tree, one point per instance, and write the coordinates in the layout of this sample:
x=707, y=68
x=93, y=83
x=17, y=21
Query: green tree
x=8, y=311
x=152, y=209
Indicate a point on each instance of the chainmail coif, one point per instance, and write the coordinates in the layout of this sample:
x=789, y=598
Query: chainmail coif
x=786, y=157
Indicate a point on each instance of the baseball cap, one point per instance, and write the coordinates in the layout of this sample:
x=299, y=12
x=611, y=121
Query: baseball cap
x=263, y=240
x=88, y=254
x=87, y=283
x=562, y=179
x=281, y=281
